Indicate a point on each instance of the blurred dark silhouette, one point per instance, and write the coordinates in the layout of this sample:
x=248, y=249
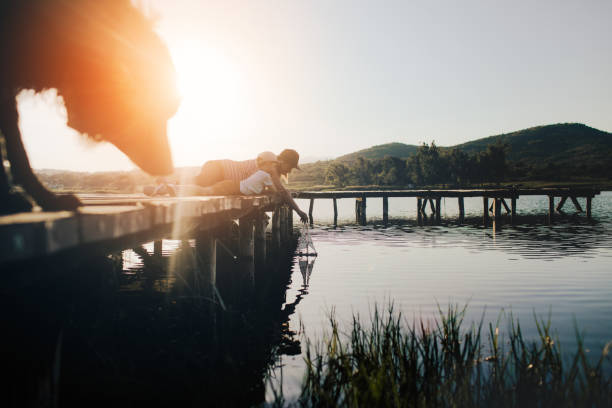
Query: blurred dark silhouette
x=114, y=73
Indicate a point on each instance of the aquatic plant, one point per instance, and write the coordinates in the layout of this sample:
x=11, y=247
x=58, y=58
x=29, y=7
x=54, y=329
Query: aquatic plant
x=391, y=363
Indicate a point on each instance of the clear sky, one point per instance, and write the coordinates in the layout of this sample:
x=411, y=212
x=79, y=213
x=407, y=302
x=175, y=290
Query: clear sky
x=328, y=77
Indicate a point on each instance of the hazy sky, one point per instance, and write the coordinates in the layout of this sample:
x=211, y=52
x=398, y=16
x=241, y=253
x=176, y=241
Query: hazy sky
x=330, y=77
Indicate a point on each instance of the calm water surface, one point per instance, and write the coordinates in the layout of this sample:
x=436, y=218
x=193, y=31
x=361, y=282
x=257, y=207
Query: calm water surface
x=563, y=270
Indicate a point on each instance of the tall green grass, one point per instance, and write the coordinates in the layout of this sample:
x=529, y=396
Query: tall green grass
x=389, y=363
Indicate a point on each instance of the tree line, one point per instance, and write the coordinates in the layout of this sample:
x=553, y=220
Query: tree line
x=429, y=166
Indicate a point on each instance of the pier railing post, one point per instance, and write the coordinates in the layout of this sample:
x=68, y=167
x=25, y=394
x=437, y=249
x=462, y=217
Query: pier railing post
x=385, y=209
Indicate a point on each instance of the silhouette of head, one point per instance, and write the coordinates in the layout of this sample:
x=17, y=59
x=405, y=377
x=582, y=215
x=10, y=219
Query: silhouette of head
x=114, y=73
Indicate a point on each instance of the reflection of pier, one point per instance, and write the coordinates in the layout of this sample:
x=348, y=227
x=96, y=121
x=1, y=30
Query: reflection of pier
x=499, y=197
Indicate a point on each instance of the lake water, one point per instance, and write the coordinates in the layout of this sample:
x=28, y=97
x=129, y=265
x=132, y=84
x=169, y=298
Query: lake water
x=563, y=270
x=133, y=326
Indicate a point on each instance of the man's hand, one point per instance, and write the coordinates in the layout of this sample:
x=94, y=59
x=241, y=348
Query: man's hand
x=303, y=216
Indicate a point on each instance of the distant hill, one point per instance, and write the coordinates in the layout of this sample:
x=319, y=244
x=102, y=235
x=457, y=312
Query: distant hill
x=400, y=150
x=560, y=143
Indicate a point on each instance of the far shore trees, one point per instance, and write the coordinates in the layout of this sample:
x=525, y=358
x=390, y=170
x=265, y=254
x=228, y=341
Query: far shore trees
x=429, y=166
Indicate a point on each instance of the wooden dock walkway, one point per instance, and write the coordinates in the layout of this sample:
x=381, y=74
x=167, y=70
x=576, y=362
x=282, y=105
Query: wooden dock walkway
x=433, y=199
x=115, y=222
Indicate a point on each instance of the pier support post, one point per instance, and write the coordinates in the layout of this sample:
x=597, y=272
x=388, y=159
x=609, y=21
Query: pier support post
x=276, y=234
x=310, y=207
x=360, y=210
x=419, y=211
x=551, y=209
x=588, y=206
x=438, y=210
x=157, y=248
x=261, y=222
x=283, y=224
x=461, y=209
x=385, y=209
x=497, y=204
x=289, y=222
x=513, y=210
x=206, y=247
x=246, y=249
x=485, y=211
x=335, y=212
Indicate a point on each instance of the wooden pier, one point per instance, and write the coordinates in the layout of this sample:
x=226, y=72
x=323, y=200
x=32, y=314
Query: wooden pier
x=432, y=198
x=114, y=222
x=108, y=223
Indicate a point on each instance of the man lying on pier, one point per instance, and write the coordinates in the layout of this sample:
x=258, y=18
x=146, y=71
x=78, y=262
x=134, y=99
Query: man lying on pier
x=264, y=177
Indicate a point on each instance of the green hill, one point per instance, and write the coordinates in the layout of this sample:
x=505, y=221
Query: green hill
x=400, y=150
x=560, y=143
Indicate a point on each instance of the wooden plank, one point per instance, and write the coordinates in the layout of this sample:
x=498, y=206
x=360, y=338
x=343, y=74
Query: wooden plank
x=100, y=223
x=492, y=193
x=29, y=235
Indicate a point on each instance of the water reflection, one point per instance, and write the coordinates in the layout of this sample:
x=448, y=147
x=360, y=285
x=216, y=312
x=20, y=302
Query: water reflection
x=134, y=328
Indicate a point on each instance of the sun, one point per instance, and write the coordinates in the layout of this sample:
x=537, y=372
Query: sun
x=214, y=100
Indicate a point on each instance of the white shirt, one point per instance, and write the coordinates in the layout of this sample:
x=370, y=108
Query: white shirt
x=255, y=183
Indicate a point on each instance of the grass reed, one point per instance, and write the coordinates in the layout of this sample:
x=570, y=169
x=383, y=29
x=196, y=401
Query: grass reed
x=443, y=364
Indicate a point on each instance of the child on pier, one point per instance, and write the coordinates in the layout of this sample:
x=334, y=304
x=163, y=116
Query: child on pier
x=265, y=179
